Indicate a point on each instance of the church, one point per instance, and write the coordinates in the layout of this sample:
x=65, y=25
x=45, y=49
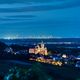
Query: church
x=39, y=49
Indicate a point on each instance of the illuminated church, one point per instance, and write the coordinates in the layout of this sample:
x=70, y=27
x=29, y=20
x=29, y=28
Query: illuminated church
x=39, y=49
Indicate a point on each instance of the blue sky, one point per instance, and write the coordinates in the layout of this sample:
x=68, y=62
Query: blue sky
x=60, y=18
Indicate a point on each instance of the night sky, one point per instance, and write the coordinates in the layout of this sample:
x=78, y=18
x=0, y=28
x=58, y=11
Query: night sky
x=22, y=18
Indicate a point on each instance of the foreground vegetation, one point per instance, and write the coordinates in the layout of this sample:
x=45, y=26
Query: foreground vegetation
x=40, y=71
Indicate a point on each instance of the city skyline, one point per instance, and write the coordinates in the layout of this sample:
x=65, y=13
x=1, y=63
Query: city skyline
x=57, y=18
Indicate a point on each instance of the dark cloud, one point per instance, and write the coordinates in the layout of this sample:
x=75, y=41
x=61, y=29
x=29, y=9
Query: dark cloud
x=25, y=1
x=41, y=7
x=16, y=18
x=22, y=16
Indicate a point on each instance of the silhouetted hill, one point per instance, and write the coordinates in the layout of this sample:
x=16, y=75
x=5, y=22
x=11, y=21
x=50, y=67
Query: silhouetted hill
x=18, y=47
x=2, y=46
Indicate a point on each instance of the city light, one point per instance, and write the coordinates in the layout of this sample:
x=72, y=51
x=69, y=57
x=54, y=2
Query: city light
x=11, y=37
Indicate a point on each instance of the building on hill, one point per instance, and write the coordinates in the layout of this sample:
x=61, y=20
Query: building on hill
x=39, y=49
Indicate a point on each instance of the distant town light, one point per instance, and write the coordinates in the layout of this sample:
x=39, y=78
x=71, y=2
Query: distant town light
x=10, y=37
x=64, y=56
x=7, y=38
